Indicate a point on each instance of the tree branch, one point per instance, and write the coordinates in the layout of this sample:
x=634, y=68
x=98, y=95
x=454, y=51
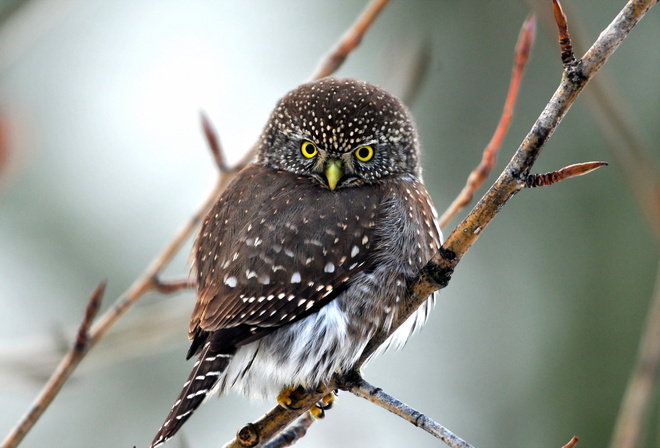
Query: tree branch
x=376, y=395
x=293, y=433
x=489, y=156
x=610, y=112
x=435, y=274
x=635, y=408
x=351, y=39
x=68, y=364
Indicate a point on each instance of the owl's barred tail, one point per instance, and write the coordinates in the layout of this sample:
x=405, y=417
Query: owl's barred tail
x=206, y=372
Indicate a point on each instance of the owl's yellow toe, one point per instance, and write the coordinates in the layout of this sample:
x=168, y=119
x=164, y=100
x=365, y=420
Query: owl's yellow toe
x=290, y=395
x=318, y=410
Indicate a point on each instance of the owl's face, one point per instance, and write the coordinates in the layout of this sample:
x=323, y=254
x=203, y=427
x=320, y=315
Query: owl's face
x=342, y=133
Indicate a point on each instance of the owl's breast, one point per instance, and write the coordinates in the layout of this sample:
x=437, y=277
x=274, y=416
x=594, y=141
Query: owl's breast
x=278, y=246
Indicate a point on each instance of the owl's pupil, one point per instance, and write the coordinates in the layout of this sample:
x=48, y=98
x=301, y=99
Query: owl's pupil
x=308, y=149
x=364, y=153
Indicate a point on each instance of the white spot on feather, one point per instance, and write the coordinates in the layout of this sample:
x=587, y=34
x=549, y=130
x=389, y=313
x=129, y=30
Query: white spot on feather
x=231, y=281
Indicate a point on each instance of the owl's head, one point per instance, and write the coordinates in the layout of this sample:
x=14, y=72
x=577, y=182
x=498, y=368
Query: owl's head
x=340, y=132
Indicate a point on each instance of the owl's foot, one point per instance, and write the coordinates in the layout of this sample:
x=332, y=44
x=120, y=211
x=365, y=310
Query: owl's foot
x=291, y=395
x=318, y=410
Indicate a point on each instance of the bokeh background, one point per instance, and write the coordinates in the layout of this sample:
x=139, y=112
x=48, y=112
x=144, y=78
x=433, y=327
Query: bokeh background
x=103, y=159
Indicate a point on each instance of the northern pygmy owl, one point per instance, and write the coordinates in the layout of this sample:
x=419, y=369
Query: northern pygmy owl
x=307, y=254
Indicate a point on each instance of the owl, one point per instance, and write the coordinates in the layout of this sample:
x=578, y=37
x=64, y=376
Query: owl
x=308, y=253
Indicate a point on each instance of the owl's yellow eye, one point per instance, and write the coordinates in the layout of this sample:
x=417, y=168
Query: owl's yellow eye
x=364, y=153
x=308, y=149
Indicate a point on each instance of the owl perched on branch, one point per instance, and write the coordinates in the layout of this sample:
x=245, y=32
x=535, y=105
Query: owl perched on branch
x=308, y=253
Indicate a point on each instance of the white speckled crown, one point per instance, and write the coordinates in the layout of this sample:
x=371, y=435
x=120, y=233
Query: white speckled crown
x=339, y=115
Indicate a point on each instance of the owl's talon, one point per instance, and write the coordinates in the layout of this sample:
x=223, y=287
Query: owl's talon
x=288, y=396
x=318, y=410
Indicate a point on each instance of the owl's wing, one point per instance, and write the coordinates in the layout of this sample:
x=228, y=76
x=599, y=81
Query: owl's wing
x=276, y=248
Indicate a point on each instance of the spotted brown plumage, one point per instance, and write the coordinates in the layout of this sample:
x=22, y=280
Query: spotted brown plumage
x=308, y=253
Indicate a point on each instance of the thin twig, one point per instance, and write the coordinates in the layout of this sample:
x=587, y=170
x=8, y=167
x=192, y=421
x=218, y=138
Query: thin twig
x=435, y=274
x=351, y=39
x=551, y=178
x=214, y=143
x=634, y=413
x=571, y=443
x=293, y=433
x=640, y=171
x=146, y=282
x=481, y=172
x=62, y=372
x=416, y=72
x=567, y=55
x=611, y=113
x=511, y=180
x=376, y=395
x=170, y=287
x=93, y=305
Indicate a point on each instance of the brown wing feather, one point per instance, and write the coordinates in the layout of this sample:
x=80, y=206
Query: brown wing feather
x=263, y=260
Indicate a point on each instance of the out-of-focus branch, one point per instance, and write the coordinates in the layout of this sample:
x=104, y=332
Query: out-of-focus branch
x=489, y=156
x=635, y=408
x=151, y=328
x=145, y=283
x=611, y=113
x=148, y=281
x=68, y=364
x=436, y=273
x=350, y=40
x=640, y=171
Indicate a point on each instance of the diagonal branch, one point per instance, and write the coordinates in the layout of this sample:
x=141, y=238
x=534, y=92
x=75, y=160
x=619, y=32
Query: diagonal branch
x=636, y=405
x=351, y=39
x=488, y=159
x=512, y=179
x=435, y=274
x=81, y=346
x=610, y=111
x=363, y=389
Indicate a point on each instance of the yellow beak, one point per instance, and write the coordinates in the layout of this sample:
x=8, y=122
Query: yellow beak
x=333, y=172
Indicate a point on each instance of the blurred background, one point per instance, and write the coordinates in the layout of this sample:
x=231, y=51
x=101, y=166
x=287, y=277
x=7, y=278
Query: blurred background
x=102, y=159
